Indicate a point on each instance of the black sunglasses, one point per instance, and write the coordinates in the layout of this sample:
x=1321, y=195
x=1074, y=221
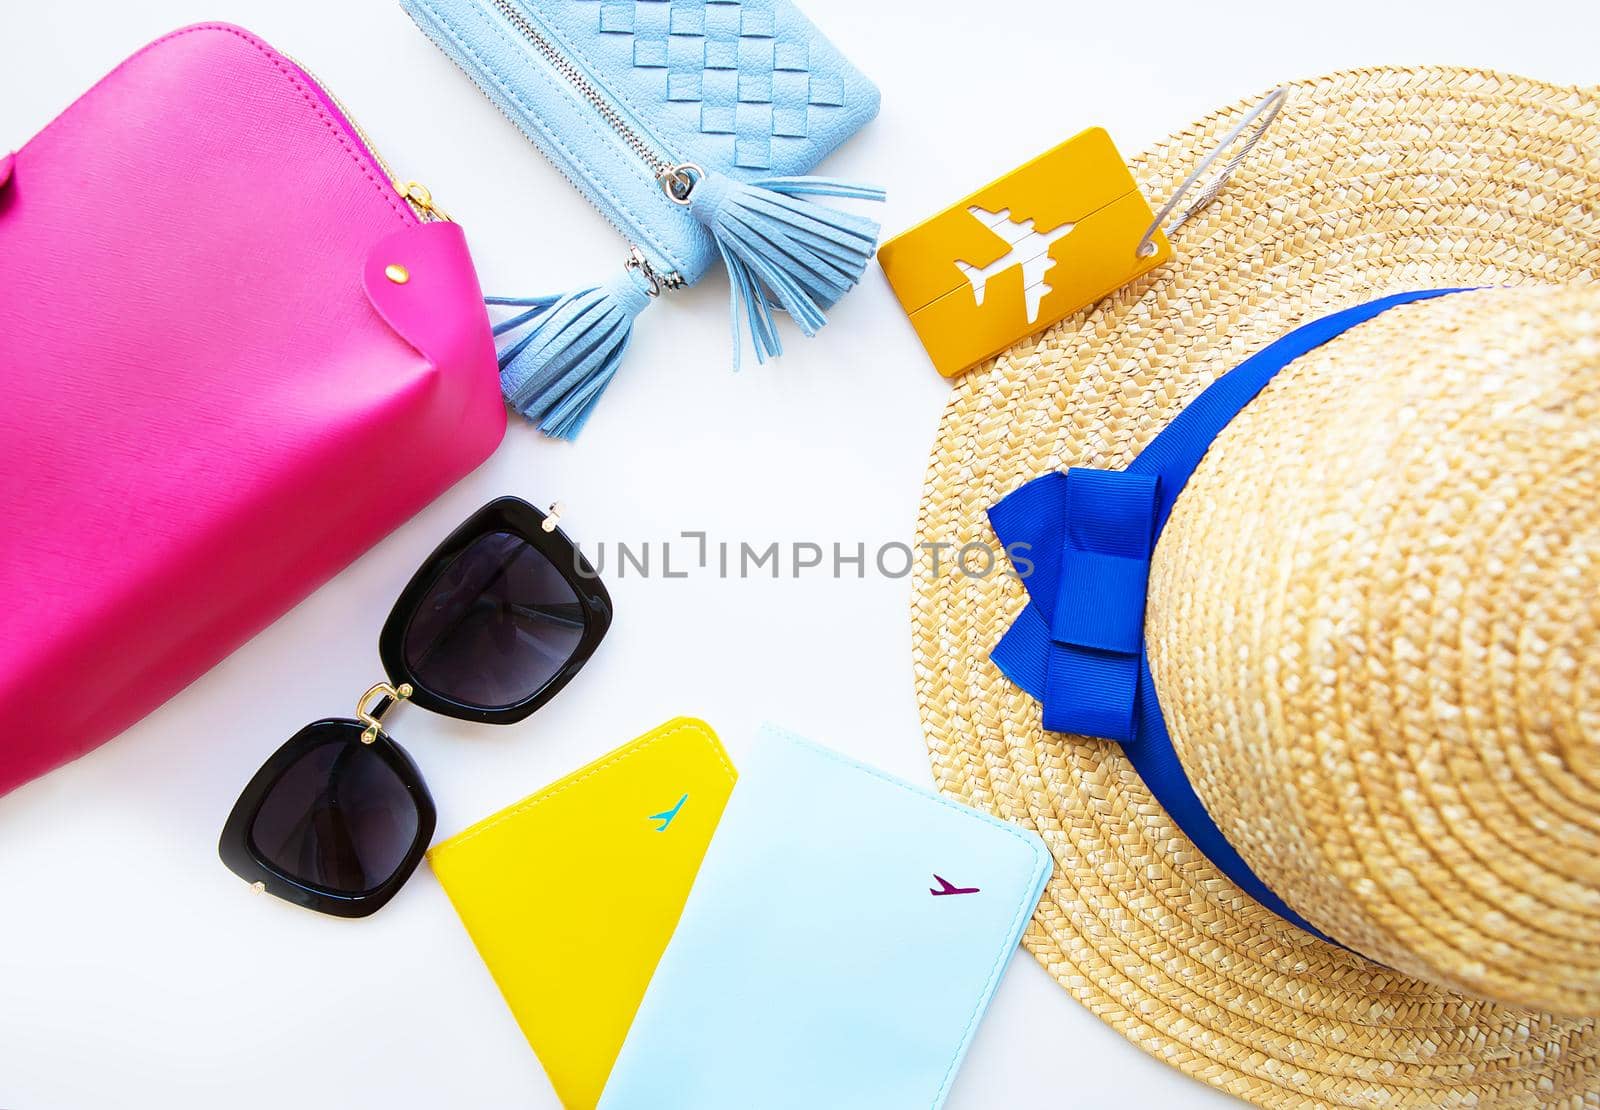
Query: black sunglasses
x=490, y=628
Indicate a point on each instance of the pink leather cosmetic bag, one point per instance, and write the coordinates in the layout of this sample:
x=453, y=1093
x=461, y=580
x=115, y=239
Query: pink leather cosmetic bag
x=234, y=353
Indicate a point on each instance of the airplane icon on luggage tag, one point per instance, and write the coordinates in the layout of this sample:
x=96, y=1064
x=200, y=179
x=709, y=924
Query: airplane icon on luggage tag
x=1030, y=249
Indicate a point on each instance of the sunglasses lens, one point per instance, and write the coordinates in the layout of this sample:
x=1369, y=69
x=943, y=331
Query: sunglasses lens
x=499, y=624
x=339, y=817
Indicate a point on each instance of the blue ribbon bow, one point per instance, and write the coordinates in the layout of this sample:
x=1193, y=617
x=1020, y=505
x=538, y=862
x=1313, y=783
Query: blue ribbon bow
x=1089, y=534
x=1082, y=541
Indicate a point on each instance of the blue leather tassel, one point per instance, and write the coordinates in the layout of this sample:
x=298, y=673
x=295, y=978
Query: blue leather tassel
x=564, y=350
x=782, y=250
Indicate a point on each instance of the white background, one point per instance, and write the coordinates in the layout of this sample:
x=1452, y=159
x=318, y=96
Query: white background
x=136, y=972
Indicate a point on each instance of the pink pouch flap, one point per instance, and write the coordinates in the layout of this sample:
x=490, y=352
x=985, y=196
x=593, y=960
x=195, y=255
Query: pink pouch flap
x=216, y=392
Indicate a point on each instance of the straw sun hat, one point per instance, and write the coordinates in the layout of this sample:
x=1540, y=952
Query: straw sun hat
x=1372, y=626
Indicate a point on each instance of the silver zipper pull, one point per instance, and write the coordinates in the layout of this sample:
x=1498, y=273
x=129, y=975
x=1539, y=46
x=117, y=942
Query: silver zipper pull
x=636, y=260
x=678, y=181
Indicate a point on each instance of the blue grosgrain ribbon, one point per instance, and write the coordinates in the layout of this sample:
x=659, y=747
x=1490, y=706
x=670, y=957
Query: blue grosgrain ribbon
x=1079, y=645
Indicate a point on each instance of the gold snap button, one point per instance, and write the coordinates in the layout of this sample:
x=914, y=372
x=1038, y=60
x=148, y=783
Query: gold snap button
x=397, y=273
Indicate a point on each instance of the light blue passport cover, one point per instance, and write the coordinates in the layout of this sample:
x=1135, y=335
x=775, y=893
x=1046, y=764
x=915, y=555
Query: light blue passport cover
x=843, y=937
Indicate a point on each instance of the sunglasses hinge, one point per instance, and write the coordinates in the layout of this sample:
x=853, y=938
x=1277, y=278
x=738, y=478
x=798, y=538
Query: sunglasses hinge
x=375, y=704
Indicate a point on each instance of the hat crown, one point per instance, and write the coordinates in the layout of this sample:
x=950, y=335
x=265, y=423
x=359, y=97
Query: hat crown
x=1374, y=625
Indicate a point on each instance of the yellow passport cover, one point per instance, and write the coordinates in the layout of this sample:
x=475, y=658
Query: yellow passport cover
x=572, y=894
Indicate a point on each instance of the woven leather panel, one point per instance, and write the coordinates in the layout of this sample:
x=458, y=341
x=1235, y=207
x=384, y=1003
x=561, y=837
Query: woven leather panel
x=745, y=70
x=558, y=119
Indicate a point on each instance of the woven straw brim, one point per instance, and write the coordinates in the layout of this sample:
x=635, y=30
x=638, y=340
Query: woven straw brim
x=1371, y=182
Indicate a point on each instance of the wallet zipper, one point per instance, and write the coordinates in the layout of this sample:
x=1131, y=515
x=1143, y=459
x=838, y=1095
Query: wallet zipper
x=415, y=194
x=570, y=72
x=677, y=179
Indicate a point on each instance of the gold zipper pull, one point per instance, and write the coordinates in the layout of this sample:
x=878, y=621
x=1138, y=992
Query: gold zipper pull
x=418, y=197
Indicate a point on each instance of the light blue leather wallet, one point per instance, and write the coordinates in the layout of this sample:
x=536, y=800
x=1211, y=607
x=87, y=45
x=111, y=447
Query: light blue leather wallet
x=842, y=941
x=686, y=123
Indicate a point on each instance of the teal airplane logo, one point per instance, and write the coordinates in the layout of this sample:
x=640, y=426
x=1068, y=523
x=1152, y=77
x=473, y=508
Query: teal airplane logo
x=666, y=816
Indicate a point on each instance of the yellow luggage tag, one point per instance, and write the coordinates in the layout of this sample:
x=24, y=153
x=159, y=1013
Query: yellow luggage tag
x=1035, y=246
x=572, y=894
x=1022, y=252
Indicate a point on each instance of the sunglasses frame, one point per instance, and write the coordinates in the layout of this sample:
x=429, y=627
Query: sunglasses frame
x=516, y=516
x=238, y=850
x=505, y=514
